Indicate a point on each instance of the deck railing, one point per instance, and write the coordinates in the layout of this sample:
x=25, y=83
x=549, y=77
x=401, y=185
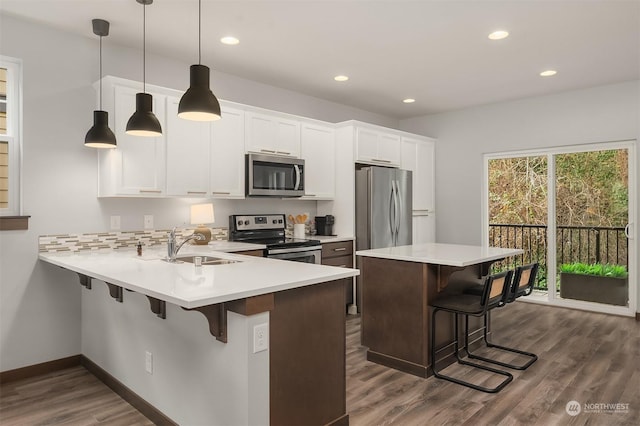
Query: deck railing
x=587, y=244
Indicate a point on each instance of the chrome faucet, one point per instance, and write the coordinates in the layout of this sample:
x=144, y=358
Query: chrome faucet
x=173, y=249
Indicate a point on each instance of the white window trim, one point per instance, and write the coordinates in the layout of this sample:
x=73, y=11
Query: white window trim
x=14, y=134
x=634, y=219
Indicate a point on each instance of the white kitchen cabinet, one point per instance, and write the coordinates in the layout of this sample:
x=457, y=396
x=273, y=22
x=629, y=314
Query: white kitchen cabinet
x=137, y=166
x=227, y=154
x=271, y=134
x=418, y=155
x=318, y=149
x=377, y=147
x=424, y=228
x=188, y=145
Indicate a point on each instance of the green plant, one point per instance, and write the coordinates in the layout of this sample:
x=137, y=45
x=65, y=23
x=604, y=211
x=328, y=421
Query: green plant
x=599, y=269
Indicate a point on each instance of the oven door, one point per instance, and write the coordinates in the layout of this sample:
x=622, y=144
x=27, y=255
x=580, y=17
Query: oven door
x=269, y=175
x=301, y=254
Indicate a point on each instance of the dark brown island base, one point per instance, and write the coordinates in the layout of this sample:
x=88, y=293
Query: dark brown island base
x=398, y=284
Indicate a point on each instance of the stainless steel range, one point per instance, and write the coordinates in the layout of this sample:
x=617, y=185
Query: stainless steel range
x=270, y=230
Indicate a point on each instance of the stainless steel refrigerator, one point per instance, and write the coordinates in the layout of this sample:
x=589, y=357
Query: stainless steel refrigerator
x=383, y=207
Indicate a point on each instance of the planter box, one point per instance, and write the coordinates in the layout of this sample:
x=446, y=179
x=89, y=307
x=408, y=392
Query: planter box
x=592, y=288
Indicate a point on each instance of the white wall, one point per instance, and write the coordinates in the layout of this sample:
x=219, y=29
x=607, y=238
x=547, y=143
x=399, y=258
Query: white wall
x=40, y=306
x=599, y=114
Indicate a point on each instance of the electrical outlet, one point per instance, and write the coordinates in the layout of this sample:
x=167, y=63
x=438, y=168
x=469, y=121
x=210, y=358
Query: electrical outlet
x=148, y=221
x=148, y=362
x=115, y=223
x=260, y=337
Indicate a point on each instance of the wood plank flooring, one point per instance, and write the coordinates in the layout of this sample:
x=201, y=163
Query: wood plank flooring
x=587, y=357
x=67, y=397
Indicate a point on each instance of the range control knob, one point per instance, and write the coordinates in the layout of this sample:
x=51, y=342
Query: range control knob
x=246, y=222
x=239, y=223
x=279, y=221
x=274, y=221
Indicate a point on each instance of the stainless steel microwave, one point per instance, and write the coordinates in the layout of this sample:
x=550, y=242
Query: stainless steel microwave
x=274, y=176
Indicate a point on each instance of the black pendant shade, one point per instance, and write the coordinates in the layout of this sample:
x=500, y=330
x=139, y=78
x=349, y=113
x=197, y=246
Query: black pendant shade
x=100, y=135
x=143, y=122
x=198, y=103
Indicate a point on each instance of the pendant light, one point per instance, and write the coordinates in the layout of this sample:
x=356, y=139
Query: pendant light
x=143, y=122
x=100, y=135
x=199, y=103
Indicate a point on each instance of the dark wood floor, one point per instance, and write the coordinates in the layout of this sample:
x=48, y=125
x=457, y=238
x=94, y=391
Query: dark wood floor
x=586, y=357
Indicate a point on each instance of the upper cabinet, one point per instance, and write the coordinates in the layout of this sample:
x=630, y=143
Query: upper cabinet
x=227, y=154
x=418, y=155
x=319, y=154
x=271, y=134
x=188, y=145
x=377, y=147
x=137, y=166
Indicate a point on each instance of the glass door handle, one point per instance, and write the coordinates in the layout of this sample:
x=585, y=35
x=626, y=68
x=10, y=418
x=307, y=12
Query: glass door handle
x=627, y=231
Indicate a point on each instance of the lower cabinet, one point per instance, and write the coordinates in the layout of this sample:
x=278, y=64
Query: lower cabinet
x=257, y=253
x=340, y=254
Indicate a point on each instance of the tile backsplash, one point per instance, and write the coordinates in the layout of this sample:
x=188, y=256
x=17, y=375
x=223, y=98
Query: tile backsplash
x=115, y=240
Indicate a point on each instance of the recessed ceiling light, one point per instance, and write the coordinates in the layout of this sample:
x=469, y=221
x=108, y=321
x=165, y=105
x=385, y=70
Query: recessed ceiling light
x=230, y=40
x=341, y=78
x=498, y=35
x=548, y=73
x=408, y=100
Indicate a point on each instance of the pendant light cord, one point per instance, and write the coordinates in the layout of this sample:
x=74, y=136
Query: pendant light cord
x=100, y=73
x=199, y=32
x=144, y=48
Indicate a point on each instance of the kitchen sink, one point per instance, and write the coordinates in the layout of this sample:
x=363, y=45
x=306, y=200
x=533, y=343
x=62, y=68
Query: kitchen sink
x=206, y=260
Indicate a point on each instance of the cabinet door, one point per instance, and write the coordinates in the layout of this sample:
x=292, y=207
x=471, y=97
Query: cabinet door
x=318, y=152
x=424, y=228
x=366, y=145
x=227, y=154
x=377, y=148
x=418, y=156
x=389, y=149
x=140, y=161
x=187, y=154
x=268, y=134
x=287, y=137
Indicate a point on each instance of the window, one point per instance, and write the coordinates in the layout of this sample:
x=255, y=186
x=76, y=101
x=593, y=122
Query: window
x=10, y=135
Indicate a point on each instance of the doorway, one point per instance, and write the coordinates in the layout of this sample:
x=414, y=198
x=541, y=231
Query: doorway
x=570, y=210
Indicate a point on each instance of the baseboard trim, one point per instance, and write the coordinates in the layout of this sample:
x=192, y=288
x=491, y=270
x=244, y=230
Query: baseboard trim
x=148, y=410
x=39, y=369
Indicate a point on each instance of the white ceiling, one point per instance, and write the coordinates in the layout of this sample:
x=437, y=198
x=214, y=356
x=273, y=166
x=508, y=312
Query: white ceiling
x=434, y=51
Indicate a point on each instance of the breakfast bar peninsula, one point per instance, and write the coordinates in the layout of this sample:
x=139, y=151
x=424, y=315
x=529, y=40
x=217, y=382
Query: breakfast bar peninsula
x=398, y=284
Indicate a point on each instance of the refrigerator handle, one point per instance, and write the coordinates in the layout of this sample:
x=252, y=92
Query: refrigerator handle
x=398, y=212
x=392, y=218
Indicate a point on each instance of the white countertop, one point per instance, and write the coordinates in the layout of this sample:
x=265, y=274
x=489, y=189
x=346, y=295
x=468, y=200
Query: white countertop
x=185, y=285
x=441, y=254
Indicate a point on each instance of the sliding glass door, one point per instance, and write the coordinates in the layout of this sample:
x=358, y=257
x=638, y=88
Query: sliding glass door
x=570, y=210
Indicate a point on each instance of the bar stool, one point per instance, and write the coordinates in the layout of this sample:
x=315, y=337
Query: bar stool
x=522, y=285
x=495, y=290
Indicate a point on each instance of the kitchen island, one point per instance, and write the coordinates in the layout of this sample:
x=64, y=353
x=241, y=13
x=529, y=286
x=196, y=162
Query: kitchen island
x=201, y=333
x=397, y=285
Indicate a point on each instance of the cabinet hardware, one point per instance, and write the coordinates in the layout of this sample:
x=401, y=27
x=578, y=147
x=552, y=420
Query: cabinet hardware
x=197, y=192
x=310, y=195
x=220, y=193
x=271, y=151
x=380, y=161
x=283, y=152
x=342, y=266
x=340, y=249
x=150, y=191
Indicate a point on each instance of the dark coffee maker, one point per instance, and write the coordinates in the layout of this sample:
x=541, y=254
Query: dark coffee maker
x=324, y=225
